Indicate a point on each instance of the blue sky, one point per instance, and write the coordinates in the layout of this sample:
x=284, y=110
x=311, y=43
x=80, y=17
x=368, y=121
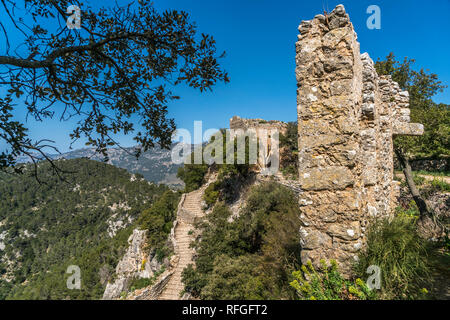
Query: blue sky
x=259, y=37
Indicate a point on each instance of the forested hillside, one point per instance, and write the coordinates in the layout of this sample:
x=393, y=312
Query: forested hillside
x=84, y=221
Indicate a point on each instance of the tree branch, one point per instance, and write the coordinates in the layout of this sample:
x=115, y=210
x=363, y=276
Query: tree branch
x=47, y=62
x=418, y=199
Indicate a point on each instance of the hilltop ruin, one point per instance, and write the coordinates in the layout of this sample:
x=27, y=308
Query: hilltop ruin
x=347, y=116
x=267, y=132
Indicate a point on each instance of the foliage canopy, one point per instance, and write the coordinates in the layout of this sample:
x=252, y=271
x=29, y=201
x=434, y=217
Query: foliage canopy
x=118, y=67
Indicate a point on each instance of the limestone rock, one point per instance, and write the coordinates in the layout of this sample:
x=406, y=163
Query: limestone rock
x=347, y=116
x=136, y=263
x=334, y=178
x=313, y=239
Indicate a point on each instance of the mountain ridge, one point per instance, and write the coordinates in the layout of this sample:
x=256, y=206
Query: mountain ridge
x=155, y=165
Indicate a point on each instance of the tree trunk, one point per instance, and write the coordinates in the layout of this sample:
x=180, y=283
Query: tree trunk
x=418, y=199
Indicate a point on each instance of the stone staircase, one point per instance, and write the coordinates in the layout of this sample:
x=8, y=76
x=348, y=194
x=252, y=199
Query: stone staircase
x=190, y=209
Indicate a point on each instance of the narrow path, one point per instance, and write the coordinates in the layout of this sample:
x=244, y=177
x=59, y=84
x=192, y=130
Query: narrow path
x=446, y=179
x=190, y=209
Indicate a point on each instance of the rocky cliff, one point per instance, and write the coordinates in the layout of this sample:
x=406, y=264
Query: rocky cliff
x=136, y=263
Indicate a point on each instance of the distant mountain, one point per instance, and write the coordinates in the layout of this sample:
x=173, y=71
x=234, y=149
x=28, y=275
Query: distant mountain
x=155, y=165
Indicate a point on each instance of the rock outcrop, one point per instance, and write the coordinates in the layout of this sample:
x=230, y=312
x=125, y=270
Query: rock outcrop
x=136, y=263
x=347, y=116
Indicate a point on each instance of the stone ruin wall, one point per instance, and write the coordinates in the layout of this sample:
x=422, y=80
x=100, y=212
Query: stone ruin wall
x=347, y=117
x=262, y=130
x=257, y=124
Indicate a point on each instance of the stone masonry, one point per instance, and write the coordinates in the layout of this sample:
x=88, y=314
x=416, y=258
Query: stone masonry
x=347, y=116
x=257, y=124
x=266, y=131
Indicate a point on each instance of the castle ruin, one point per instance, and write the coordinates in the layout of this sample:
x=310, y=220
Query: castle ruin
x=267, y=134
x=347, y=117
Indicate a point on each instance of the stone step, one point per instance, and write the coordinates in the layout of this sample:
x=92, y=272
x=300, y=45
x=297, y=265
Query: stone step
x=191, y=209
x=171, y=296
x=173, y=292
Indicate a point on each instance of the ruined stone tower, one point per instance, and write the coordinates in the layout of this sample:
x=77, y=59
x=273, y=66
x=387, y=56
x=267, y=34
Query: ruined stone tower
x=347, y=116
x=267, y=132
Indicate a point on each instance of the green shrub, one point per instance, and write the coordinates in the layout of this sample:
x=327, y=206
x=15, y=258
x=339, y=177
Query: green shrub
x=139, y=283
x=193, y=280
x=289, y=151
x=397, y=249
x=162, y=252
x=290, y=172
x=158, y=220
x=412, y=210
x=440, y=185
x=5, y=289
x=418, y=180
x=250, y=257
x=434, y=173
x=211, y=195
x=193, y=176
x=328, y=284
x=231, y=176
x=235, y=279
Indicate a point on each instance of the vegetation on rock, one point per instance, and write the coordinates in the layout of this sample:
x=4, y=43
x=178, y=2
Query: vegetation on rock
x=84, y=221
x=230, y=175
x=250, y=257
x=289, y=151
x=158, y=221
